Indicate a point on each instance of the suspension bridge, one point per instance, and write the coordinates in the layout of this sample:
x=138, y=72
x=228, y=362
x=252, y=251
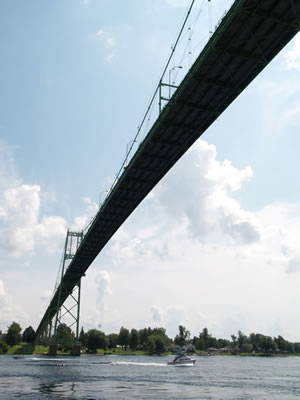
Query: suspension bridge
x=248, y=37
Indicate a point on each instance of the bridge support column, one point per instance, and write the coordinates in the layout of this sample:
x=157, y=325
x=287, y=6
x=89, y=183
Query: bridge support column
x=76, y=350
x=68, y=311
x=52, y=350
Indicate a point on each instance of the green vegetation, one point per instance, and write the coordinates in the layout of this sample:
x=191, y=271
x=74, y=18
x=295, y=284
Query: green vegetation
x=183, y=337
x=25, y=348
x=147, y=341
x=255, y=343
x=65, y=334
x=3, y=347
x=28, y=335
x=13, y=335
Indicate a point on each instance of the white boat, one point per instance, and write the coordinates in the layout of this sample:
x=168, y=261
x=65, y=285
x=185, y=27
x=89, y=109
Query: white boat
x=182, y=359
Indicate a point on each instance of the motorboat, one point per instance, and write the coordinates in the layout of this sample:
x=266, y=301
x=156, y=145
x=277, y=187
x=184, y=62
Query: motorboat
x=183, y=360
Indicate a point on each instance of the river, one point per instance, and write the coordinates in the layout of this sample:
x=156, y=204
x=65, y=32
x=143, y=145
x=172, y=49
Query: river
x=149, y=377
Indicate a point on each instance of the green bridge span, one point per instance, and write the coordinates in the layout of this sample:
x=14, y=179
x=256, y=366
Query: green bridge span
x=250, y=35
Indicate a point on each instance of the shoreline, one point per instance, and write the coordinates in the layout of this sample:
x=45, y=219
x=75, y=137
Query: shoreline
x=19, y=352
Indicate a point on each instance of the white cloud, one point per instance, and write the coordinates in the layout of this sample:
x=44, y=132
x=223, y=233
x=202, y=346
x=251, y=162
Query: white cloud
x=281, y=223
x=109, y=39
x=292, y=56
x=291, y=115
x=114, y=41
x=176, y=316
x=170, y=318
x=46, y=296
x=203, y=202
x=20, y=227
x=110, y=43
x=279, y=97
x=192, y=240
x=204, y=321
x=103, y=288
x=8, y=173
x=158, y=315
x=110, y=57
x=81, y=222
x=293, y=265
x=49, y=227
x=19, y=209
x=9, y=311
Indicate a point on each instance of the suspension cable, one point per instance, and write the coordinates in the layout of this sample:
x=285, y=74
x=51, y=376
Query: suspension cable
x=153, y=97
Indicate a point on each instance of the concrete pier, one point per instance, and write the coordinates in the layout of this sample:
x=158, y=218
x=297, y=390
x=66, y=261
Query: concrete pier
x=76, y=350
x=52, y=350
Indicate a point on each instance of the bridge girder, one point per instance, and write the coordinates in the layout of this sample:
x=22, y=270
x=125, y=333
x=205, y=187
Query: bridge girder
x=251, y=34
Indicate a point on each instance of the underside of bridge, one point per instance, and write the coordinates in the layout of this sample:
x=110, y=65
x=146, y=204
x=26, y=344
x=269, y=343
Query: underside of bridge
x=250, y=35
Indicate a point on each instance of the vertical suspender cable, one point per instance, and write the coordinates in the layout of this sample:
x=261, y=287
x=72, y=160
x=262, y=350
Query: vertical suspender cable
x=209, y=18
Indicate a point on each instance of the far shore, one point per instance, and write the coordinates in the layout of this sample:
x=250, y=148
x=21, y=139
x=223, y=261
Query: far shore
x=30, y=349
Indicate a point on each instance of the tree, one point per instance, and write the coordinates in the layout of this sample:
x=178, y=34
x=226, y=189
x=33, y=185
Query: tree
x=123, y=337
x=297, y=347
x=64, y=333
x=223, y=343
x=183, y=336
x=150, y=344
x=212, y=342
x=195, y=342
x=156, y=344
x=233, y=338
x=160, y=345
x=3, y=347
x=205, y=340
x=242, y=340
x=13, y=335
x=145, y=333
x=253, y=341
x=159, y=331
x=271, y=344
x=133, y=339
x=28, y=335
x=82, y=337
x=143, y=337
x=290, y=347
x=201, y=344
x=112, y=340
x=96, y=340
x=282, y=344
x=204, y=334
x=246, y=348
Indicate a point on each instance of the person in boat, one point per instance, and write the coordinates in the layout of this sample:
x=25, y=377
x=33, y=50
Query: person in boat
x=178, y=356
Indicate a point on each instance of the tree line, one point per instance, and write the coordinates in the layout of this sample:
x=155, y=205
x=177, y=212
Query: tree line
x=155, y=340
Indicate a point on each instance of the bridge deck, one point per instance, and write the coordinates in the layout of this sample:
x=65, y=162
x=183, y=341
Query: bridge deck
x=250, y=35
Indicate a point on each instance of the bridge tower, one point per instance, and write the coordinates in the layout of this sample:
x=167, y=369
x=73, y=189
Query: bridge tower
x=68, y=313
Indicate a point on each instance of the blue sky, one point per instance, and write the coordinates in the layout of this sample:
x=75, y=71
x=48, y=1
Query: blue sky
x=76, y=78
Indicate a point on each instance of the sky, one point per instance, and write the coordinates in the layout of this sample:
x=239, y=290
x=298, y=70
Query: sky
x=215, y=244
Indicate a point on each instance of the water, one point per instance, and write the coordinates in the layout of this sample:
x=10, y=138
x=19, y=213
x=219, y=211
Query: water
x=145, y=377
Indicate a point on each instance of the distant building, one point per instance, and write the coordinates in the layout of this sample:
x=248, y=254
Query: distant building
x=189, y=348
x=225, y=349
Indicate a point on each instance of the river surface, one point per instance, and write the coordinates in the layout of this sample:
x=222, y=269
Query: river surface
x=149, y=377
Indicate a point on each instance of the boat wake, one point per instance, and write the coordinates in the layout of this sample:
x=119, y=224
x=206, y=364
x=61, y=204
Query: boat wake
x=49, y=359
x=140, y=364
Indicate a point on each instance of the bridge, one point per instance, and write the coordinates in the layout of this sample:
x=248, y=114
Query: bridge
x=249, y=36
